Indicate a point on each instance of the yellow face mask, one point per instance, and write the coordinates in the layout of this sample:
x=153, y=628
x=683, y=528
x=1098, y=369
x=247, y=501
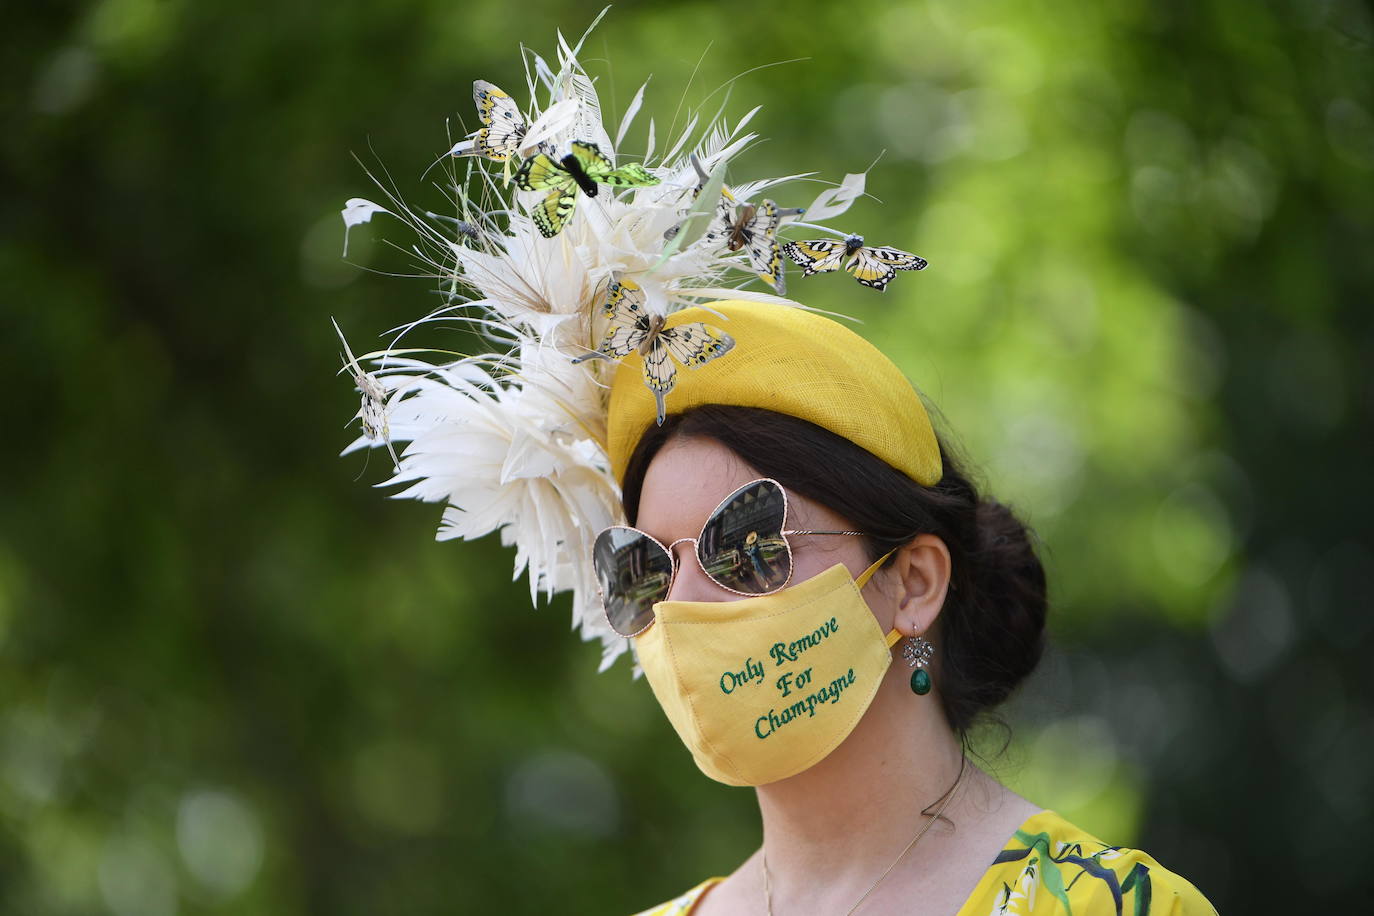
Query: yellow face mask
x=763, y=688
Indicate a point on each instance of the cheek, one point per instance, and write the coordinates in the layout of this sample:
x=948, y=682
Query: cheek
x=877, y=594
x=814, y=562
x=815, y=558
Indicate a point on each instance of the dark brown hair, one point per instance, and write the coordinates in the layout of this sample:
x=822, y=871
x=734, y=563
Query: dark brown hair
x=992, y=626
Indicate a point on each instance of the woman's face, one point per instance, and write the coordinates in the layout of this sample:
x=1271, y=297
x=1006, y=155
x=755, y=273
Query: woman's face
x=685, y=482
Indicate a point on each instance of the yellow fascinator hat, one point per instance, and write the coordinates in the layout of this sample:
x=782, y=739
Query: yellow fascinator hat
x=791, y=361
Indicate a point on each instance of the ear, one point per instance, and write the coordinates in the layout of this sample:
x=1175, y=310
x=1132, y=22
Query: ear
x=922, y=569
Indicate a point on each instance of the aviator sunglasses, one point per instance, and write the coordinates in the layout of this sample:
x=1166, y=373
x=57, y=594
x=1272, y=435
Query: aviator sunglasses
x=743, y=547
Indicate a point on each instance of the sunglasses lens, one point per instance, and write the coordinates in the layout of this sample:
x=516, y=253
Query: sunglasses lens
x=742, y=546
x=634, y=572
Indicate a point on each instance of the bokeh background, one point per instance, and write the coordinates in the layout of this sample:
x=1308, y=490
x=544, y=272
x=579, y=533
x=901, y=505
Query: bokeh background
x=234, y=679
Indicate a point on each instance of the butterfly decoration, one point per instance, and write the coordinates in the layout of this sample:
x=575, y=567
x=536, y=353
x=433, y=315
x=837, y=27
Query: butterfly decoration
x=373, y=407
x=741, y=225
x=584, y=167
x=873, y=267
x=504, y=126
x=505, y=134
x=754, y=229
x=632, y=329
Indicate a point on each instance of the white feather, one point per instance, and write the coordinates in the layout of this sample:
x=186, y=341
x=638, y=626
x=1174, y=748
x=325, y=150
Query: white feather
x=575, y=83
x=751, y=189
x=833, y=202
x=543, y=74
x=356, y=211
x=630, y=113
x=720, y=144
x=557, y=119
x=671, y=155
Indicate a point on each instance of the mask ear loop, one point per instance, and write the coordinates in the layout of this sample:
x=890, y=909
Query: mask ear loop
x=868, y=573
x=894, y=635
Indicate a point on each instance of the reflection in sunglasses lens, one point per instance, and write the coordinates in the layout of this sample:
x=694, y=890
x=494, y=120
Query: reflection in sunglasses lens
x=742, y=546
x=634, y=572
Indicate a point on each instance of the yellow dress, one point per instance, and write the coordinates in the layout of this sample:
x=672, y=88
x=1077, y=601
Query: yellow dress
x=1049, y=866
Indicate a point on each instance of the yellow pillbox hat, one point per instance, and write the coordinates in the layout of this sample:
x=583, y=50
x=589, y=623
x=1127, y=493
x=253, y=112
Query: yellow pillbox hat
x=793, y=362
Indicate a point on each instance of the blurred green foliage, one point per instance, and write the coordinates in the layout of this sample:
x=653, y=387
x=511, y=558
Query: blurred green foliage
x=233, y=679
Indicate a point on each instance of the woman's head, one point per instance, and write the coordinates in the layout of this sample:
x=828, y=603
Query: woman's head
x=990, y=631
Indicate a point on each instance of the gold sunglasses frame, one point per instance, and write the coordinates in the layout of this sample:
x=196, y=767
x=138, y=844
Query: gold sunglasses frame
x=696, y=550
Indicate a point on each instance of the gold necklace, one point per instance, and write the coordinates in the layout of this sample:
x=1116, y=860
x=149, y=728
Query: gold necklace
x=949, y=796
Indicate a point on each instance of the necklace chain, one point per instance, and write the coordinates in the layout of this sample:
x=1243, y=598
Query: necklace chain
x=948, y=797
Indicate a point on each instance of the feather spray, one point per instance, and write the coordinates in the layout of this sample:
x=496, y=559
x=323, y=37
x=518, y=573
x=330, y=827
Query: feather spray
x=513, y=440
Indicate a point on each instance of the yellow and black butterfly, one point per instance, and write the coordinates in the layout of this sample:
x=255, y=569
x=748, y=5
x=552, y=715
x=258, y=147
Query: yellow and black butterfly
x=505, y=126
x=631, y=328
x=873, y=267
x=755, y=229
x=585, y=167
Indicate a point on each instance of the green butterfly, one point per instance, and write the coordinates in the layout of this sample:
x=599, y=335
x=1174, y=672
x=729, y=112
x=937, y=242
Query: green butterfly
x=585, y=167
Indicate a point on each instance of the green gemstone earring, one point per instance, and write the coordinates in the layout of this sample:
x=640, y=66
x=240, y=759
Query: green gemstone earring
x=918, y=652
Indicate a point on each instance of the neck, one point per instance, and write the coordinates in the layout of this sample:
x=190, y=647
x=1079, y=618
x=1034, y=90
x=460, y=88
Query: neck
x=839, y=824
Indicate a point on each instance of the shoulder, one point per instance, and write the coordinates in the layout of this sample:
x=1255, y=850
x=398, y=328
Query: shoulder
x=680, y=906
x=1052, y=866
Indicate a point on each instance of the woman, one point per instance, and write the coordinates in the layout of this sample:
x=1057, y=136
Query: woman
x=874, y=805
x=794, y=525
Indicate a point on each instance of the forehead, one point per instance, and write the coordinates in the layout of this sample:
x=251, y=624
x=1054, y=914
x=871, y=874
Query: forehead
x=685, y=482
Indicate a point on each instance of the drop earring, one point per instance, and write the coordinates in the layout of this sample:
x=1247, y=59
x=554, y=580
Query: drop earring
x=918, y=652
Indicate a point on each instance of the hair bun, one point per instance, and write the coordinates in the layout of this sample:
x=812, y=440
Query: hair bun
x=995, y=630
